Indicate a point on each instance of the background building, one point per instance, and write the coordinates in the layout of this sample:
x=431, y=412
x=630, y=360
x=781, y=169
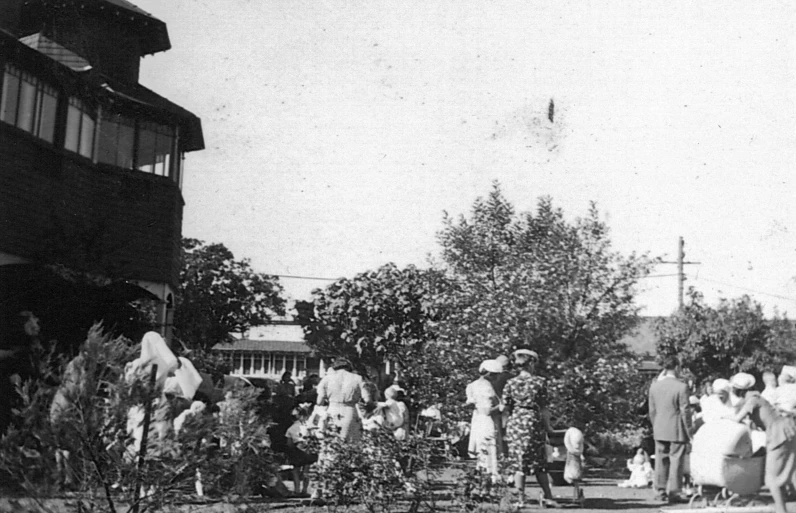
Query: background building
x=270, y=350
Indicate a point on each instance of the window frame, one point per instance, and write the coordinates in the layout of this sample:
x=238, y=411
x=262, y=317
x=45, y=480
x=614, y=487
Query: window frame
x=35, y=111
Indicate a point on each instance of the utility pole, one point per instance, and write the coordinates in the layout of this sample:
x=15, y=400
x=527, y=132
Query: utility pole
x=680, y=274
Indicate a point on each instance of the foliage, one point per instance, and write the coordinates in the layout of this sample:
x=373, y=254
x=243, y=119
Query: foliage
x=719, y=341
x=96, y=395
x=376, y=316
x=379, y=472
x=533, y=280
x=220, y=295
x=599, y=393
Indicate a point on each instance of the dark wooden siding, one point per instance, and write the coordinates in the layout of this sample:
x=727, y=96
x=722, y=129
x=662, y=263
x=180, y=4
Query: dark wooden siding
x=56, y=207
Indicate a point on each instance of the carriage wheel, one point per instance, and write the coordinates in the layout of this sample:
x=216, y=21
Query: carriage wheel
x=698, y=501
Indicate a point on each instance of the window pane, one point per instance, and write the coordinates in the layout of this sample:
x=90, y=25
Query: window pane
x=146, y=149
x=27, y=106
x=72, y=138
x=49, y=107
x=124, y=149
x=279, y=363
x=247, y=363
x=301, y=365
x=163, y=149
x=87, y=136
x=258, y=363
x=8, y=107
x=107, y=141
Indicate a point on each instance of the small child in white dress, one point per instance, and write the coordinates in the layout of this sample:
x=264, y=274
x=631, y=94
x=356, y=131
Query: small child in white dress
x=641, y=472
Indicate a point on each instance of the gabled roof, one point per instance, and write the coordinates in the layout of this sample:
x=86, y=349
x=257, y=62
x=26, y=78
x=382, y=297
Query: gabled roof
x=155, y=36
x=264, y=346
x=124, y=4
x=271, y=338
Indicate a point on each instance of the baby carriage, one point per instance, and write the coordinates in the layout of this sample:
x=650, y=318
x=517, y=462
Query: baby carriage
x=565, y=449
x=722, y=462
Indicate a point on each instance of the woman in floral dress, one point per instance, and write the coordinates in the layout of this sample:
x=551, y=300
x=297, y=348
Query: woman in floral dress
x=525, y=398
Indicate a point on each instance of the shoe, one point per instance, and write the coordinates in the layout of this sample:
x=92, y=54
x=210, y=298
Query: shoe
x=551, y=503
x=662, y=496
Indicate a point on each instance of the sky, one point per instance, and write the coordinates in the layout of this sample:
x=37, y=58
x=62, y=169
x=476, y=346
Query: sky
x=339, y=132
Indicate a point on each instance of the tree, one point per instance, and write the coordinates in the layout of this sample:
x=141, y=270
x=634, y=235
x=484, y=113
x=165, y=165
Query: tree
x=220, y=295
x=535, y=280
x=732, y=337
x=374, y=317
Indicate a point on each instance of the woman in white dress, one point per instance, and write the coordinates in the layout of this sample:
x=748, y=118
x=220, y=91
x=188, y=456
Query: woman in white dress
x=483, y=428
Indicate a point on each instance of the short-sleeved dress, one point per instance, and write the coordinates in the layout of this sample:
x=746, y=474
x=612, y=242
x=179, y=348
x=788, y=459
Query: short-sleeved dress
x=525, y=396
x=483, y=429
x=780, y=450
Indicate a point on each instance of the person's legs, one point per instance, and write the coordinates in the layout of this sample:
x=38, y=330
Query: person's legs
x=661, y=466
x=676, y=461
x=296, y=478
x=519, y=484
x=544, y=483
x=780, y=468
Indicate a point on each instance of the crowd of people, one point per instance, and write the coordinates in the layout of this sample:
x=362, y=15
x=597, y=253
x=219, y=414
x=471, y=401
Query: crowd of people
x=682, y=421
x=342, y=402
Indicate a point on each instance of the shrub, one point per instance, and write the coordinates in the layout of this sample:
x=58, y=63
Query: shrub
x=380, y=472
x=229, y=450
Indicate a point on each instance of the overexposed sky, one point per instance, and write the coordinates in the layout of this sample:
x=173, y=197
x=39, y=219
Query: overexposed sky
x=338, y=131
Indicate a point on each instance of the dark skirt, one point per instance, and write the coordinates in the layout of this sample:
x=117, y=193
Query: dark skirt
x=299, y=458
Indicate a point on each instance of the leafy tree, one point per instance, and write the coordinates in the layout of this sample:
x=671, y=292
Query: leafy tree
x=220, y=295
x=732, y=337
x=535, y=280
x=376, y=316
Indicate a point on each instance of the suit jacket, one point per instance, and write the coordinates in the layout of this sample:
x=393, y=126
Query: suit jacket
x=668, y=403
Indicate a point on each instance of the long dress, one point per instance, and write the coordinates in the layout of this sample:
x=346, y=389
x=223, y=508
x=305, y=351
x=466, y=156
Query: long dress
x=483, y=430
x=525, y=396
x=343, y=390
x=780, y=450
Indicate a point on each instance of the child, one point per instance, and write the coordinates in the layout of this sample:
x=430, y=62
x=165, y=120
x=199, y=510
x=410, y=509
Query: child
x=297, y=456
x=640, y=471
x=573, y=468
x=396, y=415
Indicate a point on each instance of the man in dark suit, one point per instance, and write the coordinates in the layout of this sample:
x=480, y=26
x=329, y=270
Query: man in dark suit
x=668, y=406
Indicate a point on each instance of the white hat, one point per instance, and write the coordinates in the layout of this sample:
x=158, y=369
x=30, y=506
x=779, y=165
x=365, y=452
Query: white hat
x=492, y=366
x=527, y=352
x=788, y=371
x=742, y=381
x=721, y=385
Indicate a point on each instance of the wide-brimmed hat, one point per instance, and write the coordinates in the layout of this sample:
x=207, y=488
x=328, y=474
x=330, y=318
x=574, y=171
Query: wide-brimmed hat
x=742, y=381
x=341, y=363
x=721, y=385
x=492, y=366
x=528, y=353
x=392, y=391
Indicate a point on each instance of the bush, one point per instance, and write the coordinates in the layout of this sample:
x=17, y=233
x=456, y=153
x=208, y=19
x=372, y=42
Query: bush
x=229, y=450
x=380, y=472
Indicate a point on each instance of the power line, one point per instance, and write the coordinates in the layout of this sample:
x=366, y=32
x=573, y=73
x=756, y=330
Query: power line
x=302, y=277
x=786, y=298
x=660, y=275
